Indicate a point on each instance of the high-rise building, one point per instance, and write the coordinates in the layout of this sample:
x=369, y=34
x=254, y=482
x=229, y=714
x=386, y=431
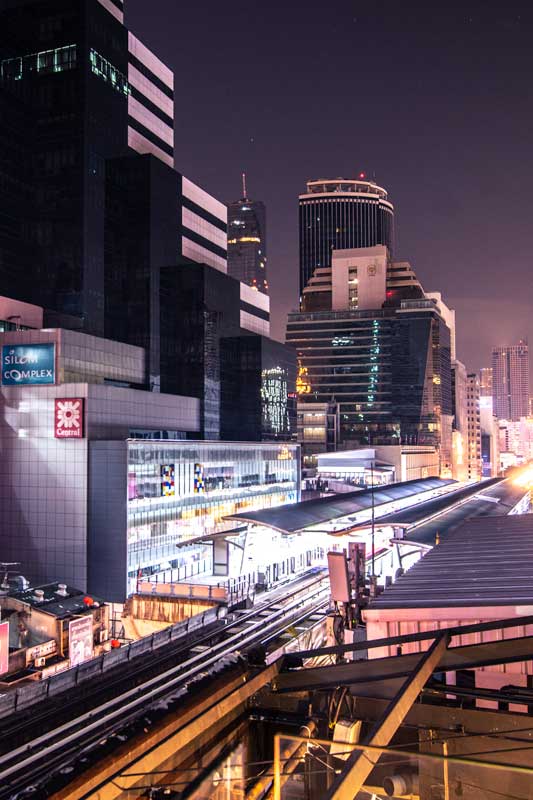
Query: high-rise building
x=215, y=346
x=460, y=422
x=383, y=359
x=510, y=381
x=247, y=252
x=92, y=92
x=339, y=214
x=490, y=437
x=110, y=238
x=485, y=382
x=474, y=462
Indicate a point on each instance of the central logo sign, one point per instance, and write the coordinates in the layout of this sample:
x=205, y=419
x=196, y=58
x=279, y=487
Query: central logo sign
x=68, y=418
x=28, y=364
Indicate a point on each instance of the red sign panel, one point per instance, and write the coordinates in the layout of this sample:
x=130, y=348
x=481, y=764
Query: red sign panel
x=4, y=647
x=68, y=418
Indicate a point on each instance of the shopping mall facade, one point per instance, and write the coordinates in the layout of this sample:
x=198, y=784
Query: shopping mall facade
x=101, y=481
x=155, y=507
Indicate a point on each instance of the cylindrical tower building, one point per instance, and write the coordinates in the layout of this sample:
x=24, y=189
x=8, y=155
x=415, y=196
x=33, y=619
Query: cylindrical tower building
x=339, y=214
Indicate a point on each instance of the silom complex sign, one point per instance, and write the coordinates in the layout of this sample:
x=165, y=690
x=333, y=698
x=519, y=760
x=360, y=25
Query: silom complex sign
x=28, y=364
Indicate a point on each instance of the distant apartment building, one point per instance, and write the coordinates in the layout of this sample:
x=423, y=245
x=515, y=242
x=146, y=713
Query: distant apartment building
x=510, y=381
x=485, y=382
x=474, y=461
x=460, y=422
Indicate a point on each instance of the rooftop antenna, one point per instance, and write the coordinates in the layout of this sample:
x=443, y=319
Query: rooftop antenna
x=244, y=195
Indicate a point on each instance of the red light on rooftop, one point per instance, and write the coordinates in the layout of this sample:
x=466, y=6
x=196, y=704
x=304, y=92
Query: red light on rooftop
x=389, y=294
x=362, y=175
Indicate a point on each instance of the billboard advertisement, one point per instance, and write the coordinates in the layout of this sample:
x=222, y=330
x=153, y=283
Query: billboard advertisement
x=80, y=640
x=4, y=647
x=167, y=480
x=199, y=479
x=28, y=364
x=68, y=418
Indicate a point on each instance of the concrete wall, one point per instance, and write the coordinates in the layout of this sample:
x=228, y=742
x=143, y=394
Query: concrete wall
x=44, y=481
x=371, y=265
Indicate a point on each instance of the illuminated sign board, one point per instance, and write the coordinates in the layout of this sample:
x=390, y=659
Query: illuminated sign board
x=28, y=364
x=68, y=418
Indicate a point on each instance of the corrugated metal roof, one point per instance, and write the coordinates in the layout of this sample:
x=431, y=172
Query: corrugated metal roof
x=485, y=561
x=297, y=516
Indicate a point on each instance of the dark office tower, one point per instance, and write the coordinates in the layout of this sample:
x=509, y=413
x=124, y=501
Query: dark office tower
x=245, y=382
x=93, y=93
x=247, y=241
x=18, y=249
x=258, y=389
x=510, y=381
x=339, y=214
x=140, y=239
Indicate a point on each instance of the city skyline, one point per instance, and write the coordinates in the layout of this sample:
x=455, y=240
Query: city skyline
x=436, y=144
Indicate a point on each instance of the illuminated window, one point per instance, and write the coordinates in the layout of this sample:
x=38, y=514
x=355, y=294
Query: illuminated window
x=105, y=70
x=45, y=62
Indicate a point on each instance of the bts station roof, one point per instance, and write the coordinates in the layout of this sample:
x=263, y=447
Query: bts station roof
x=310, y=513
x=490, y=498
x=486, y=561
x=428, y=508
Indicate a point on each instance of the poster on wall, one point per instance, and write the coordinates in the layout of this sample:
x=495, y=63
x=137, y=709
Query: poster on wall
x=132, y=485
x=80, y=640
x=4, y=647
x=28, y=364
x=199, y=479
x=168, y=487
x=68, y=418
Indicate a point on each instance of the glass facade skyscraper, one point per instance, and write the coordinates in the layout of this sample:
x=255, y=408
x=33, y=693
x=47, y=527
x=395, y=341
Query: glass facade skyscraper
x=339, y=214
x=91, y=92
x=247, y=254
x=388, y=370
x=165, y=495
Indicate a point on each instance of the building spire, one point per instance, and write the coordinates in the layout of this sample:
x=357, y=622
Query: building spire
x=244, y=195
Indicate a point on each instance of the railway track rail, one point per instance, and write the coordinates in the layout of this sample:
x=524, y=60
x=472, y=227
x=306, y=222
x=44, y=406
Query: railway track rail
x=24, y=768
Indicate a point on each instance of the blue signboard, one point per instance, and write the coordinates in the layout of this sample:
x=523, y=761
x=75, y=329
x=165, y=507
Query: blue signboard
x=24, y=364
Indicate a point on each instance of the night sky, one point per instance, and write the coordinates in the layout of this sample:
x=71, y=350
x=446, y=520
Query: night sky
x=435, y=101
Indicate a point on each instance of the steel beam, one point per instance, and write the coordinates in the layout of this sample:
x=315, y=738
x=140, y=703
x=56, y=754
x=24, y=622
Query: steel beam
x=421, y=636
x=360, y=764
x=380, y=669
x=144, y=754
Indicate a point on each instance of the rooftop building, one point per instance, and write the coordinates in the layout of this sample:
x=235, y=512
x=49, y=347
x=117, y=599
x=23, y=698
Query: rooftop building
x=340, y=214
